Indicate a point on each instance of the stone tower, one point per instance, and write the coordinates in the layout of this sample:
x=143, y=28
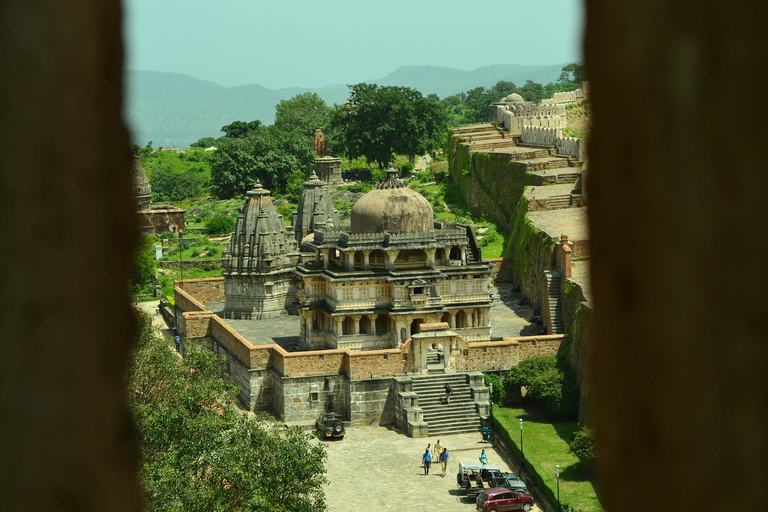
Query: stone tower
x=258, y=261
x=142, y=189
x=314, y=203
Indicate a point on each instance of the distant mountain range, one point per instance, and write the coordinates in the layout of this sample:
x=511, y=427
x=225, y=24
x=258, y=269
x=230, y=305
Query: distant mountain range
x=173, y=109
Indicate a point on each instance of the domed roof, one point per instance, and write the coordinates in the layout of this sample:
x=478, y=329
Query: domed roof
x=514, y=98
x=392, y=208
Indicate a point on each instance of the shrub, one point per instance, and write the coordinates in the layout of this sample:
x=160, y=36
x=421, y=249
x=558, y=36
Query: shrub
x=498, y=387
x=198, y=219
x=286, y=210
x=406, y=169
x=584, y=443
x=549, y=381
x=220, y=225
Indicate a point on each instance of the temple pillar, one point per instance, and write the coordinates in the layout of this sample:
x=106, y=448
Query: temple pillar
x=317, y=257
x=349, y=260
x=337, y=328
x=372, y=319
x=391, y=257
x=463, y=256
x=366, y=260
x=356, y=323
x=452, y=320
x=326, y=258
x=430, y=257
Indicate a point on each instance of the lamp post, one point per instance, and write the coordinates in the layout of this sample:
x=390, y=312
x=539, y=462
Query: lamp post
x=522, y=454
x=557, y=473
x=181, y=258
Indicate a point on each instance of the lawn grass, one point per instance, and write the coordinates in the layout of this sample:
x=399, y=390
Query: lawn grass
x=545, y=444
x=493, y=250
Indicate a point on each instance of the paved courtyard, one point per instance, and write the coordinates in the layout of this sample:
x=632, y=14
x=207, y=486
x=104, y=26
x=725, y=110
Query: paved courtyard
x=375, y=468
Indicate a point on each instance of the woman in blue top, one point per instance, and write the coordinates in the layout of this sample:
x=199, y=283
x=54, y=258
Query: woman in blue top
x=427, y=457
x=483, y=458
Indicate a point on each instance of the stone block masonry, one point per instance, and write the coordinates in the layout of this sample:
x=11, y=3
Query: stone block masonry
x=298, y=385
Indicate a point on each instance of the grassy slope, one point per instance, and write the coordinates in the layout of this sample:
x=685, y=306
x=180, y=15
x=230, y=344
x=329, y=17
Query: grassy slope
x=546, y=444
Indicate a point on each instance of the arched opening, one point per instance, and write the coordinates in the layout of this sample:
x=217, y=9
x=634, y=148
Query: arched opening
x=359, y=260
x=365, y=325
x=347, y=326
x=315, y=321
x=382, y=324
x=455, y=254
x=446, y=318
x=416, y=326
x=403, y=334
x=461, y=319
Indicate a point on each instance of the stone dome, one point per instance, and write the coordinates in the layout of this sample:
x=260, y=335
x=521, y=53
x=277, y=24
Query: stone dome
x=392, y=208
x=514, y=98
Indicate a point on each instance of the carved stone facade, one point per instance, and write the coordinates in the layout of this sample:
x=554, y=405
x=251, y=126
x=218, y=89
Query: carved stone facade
x=315, y=208
x=328, y=169
x=397, y=269
x=258, y=261
x=142, y=189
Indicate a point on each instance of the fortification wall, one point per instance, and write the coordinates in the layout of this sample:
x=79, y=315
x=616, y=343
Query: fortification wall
x=540, y=136
x=204, y=290
x=571, y=146
x=565, y=98
x=531, y=252
x=577, y=320
x=491, y=183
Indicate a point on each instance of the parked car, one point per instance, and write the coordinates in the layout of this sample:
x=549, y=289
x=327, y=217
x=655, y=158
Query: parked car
x=496, y=478
x=330, y=424
x=499, y=499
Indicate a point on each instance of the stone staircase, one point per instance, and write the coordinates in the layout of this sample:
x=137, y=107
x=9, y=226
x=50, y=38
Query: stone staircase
x=559, y=202
x=570, y=177
x=458, y=417
x=553, y=293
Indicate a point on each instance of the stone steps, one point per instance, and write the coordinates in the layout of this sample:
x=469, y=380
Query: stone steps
x=553, y=292
x=460, y=416
x=559, y=202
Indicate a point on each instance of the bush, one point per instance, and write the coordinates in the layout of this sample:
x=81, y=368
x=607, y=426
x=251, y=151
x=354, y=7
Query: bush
x=220, y=225
x=360, y=186
x=584, y=443
x=498, y=387
x=489, y=237
x=286, y=210
x=406, y=169
x=549, y=381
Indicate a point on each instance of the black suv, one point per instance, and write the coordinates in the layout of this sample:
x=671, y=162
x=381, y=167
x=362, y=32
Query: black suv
x=330, y=424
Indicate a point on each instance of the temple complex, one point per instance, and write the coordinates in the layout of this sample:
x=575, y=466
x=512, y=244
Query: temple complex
x=258, y=261
x=372, y=287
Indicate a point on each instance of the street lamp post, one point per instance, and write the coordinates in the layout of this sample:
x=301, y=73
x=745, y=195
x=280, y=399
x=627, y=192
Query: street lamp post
x=557, y=473
x=522, y=454
x=181, y=258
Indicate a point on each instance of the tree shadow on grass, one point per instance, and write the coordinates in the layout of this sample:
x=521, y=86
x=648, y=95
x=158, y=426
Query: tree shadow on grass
x=581, y=471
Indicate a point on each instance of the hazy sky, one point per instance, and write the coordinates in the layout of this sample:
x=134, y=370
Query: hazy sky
x=286, y=43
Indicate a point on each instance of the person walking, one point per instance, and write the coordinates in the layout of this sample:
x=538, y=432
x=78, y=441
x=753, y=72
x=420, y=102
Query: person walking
x=437, y=451
x=483, y=457
x=444, y=460
x=427, y=457
x=448, y=392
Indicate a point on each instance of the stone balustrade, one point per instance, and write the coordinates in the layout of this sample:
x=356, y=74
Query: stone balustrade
x=540, y=136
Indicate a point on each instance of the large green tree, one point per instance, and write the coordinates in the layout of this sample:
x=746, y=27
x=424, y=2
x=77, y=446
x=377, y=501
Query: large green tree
x=198, y=453
x=304, y=113
x=266, y=154
x=379, y=121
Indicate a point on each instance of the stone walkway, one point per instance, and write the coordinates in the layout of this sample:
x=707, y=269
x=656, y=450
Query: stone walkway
x=375, y=468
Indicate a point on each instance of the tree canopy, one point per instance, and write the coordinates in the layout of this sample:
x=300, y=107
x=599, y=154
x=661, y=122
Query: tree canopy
x=304, y=113
x=266, y=154
x=198, y=453
x=379, y=121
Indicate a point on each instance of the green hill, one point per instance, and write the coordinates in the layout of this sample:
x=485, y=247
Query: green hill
x=173, y=109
